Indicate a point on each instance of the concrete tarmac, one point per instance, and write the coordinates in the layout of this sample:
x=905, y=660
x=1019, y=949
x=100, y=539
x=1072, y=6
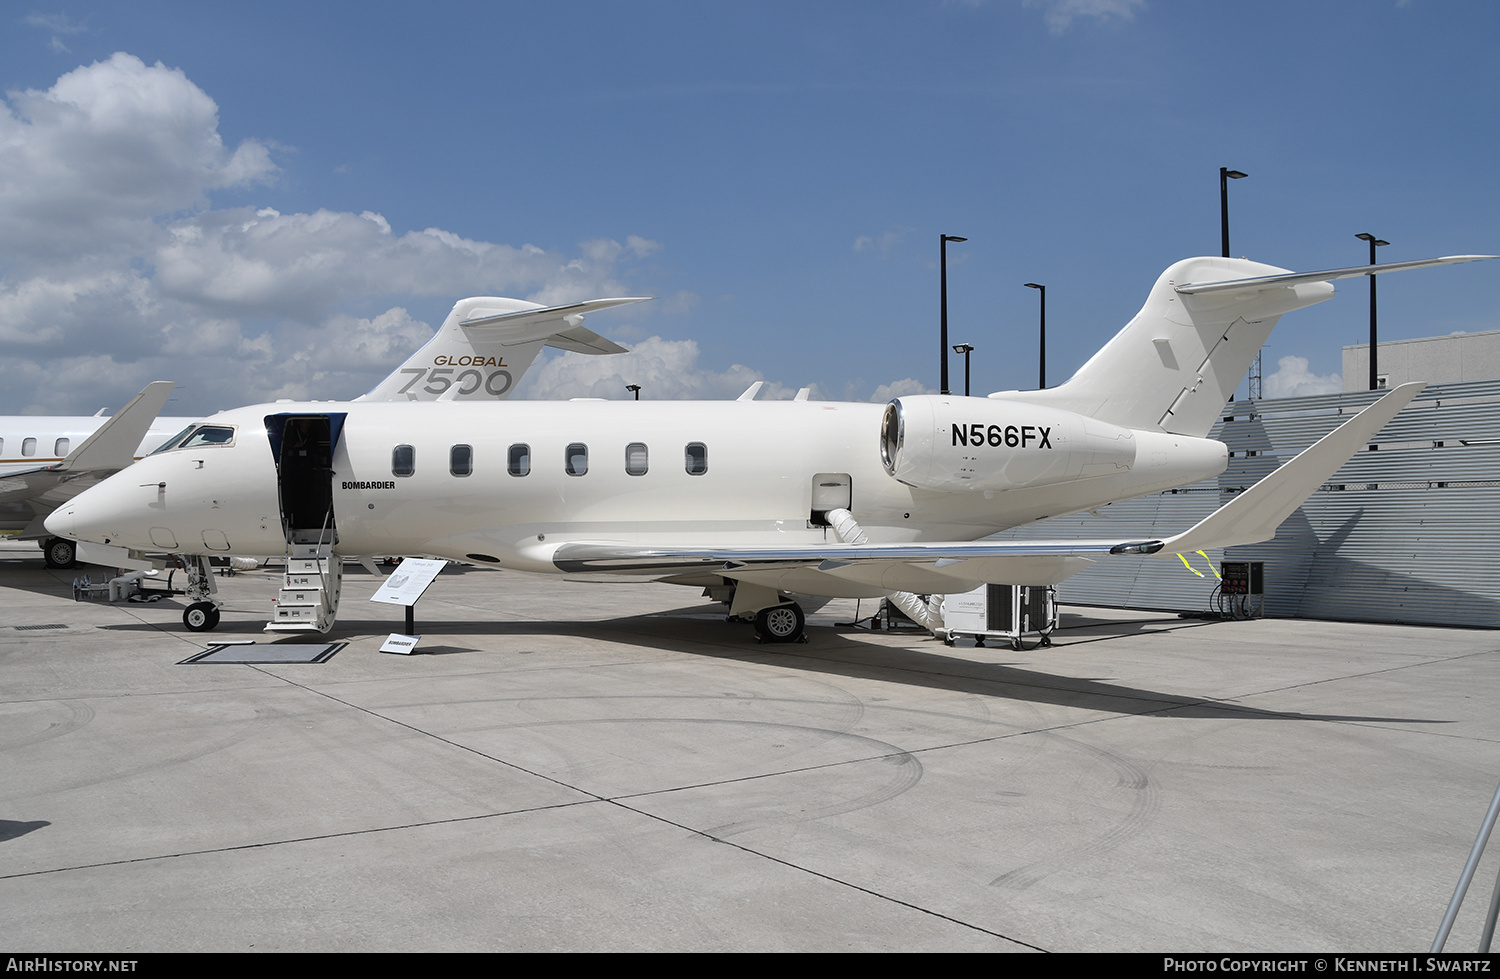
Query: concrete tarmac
x=582, y=766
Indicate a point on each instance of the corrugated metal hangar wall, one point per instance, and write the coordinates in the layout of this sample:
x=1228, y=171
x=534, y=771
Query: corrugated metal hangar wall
x=1405, y=532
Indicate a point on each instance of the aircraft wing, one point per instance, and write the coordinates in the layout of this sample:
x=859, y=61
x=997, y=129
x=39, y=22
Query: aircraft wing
x=939, y=566
x=1254, y=515
x=608, y=556
x=929, y=567
x=559, y=326
x=113, y=444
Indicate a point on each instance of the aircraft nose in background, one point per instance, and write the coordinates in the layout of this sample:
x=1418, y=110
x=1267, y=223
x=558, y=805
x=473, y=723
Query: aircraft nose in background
x=59, y=522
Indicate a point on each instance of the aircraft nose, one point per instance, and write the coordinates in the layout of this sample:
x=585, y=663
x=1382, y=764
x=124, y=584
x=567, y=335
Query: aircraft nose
x=59, y=522
x=94, y=515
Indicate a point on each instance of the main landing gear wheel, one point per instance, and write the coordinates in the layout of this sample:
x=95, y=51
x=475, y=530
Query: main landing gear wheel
x=200, y=617
x=780, y=623
x=59, y=552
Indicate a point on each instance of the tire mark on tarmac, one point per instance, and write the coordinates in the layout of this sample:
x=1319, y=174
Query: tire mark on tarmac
x=1144, y=801
x=79, y=714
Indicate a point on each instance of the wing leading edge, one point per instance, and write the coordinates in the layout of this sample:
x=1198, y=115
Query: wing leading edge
x=951, y=566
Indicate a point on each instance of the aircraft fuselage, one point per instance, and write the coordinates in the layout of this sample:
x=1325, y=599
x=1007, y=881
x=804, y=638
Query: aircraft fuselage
x=509, y=482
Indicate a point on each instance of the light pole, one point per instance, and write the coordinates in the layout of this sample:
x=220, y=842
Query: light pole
x=943, y=330
x=636, y=389
x=965, y=349
x=1041, y=381
x=1374, y=244
x=1226, y=175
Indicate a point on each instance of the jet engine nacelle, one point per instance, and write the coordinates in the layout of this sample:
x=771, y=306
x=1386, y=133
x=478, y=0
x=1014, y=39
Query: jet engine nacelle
x=953, y=444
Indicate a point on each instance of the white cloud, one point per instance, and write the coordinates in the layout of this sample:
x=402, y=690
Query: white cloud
x=56, y=24
x=666, y=370
x=115, y=269
x=897, y=389
x=1060, y=14
x=301, y=265
x=881, y=245
x=641, y=247
x=679, y=302
x=89, y=164
x=1293, y=380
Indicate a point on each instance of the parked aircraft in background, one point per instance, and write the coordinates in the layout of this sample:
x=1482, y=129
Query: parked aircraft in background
x=757, y=502
x=483, y=347
x=40, y=467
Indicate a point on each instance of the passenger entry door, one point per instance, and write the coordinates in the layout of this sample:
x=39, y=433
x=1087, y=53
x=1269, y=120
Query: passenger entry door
x=303, y=446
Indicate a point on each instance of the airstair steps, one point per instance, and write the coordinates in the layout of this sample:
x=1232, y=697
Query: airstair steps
x=309, y=597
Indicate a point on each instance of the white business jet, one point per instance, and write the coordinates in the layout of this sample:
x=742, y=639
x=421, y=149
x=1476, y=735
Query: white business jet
x=483, y=347
x=758, y=502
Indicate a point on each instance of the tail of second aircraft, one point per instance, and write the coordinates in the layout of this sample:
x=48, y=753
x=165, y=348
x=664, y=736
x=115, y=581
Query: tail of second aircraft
x=484, y=346
x=1174, y=366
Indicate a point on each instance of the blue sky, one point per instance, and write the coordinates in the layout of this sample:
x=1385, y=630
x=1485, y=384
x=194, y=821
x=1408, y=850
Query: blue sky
x=283, y=199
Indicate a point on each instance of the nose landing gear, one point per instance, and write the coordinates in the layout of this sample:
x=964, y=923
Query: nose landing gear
x=59, y=552
x=203, y=614
x=200, y=616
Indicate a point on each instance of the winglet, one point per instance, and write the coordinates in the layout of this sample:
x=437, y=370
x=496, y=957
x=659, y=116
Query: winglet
x=1255, y=514
x=113, y=444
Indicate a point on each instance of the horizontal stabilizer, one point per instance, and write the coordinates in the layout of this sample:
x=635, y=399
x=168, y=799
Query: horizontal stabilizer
x=582, y=340
x=487, y=343
x=1258, y=282
x=559, y=326
x=1179, y=360
x=1255, y=514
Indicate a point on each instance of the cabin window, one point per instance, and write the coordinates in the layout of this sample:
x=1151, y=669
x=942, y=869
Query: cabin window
x=577, y=459
x=520, y=460
x=2, y=447
x=635, y=458
x=461, y=460
x=403, y=460
x=60, y=447
x=28, y=447
x=697, y=458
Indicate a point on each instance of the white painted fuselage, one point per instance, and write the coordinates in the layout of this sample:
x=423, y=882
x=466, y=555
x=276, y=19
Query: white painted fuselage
x=28, y=441
x=758, y=464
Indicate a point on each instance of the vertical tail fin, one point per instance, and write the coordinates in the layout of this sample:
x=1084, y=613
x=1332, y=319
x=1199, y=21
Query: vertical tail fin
x=1174, y=367
x=486, y=344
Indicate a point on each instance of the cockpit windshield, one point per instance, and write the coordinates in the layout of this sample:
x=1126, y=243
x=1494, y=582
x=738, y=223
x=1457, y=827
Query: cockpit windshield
x=196, y=436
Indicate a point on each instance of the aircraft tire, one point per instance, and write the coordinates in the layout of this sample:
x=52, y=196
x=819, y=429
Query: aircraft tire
x=59, y=552
x=780, y=623
x=200, y=617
